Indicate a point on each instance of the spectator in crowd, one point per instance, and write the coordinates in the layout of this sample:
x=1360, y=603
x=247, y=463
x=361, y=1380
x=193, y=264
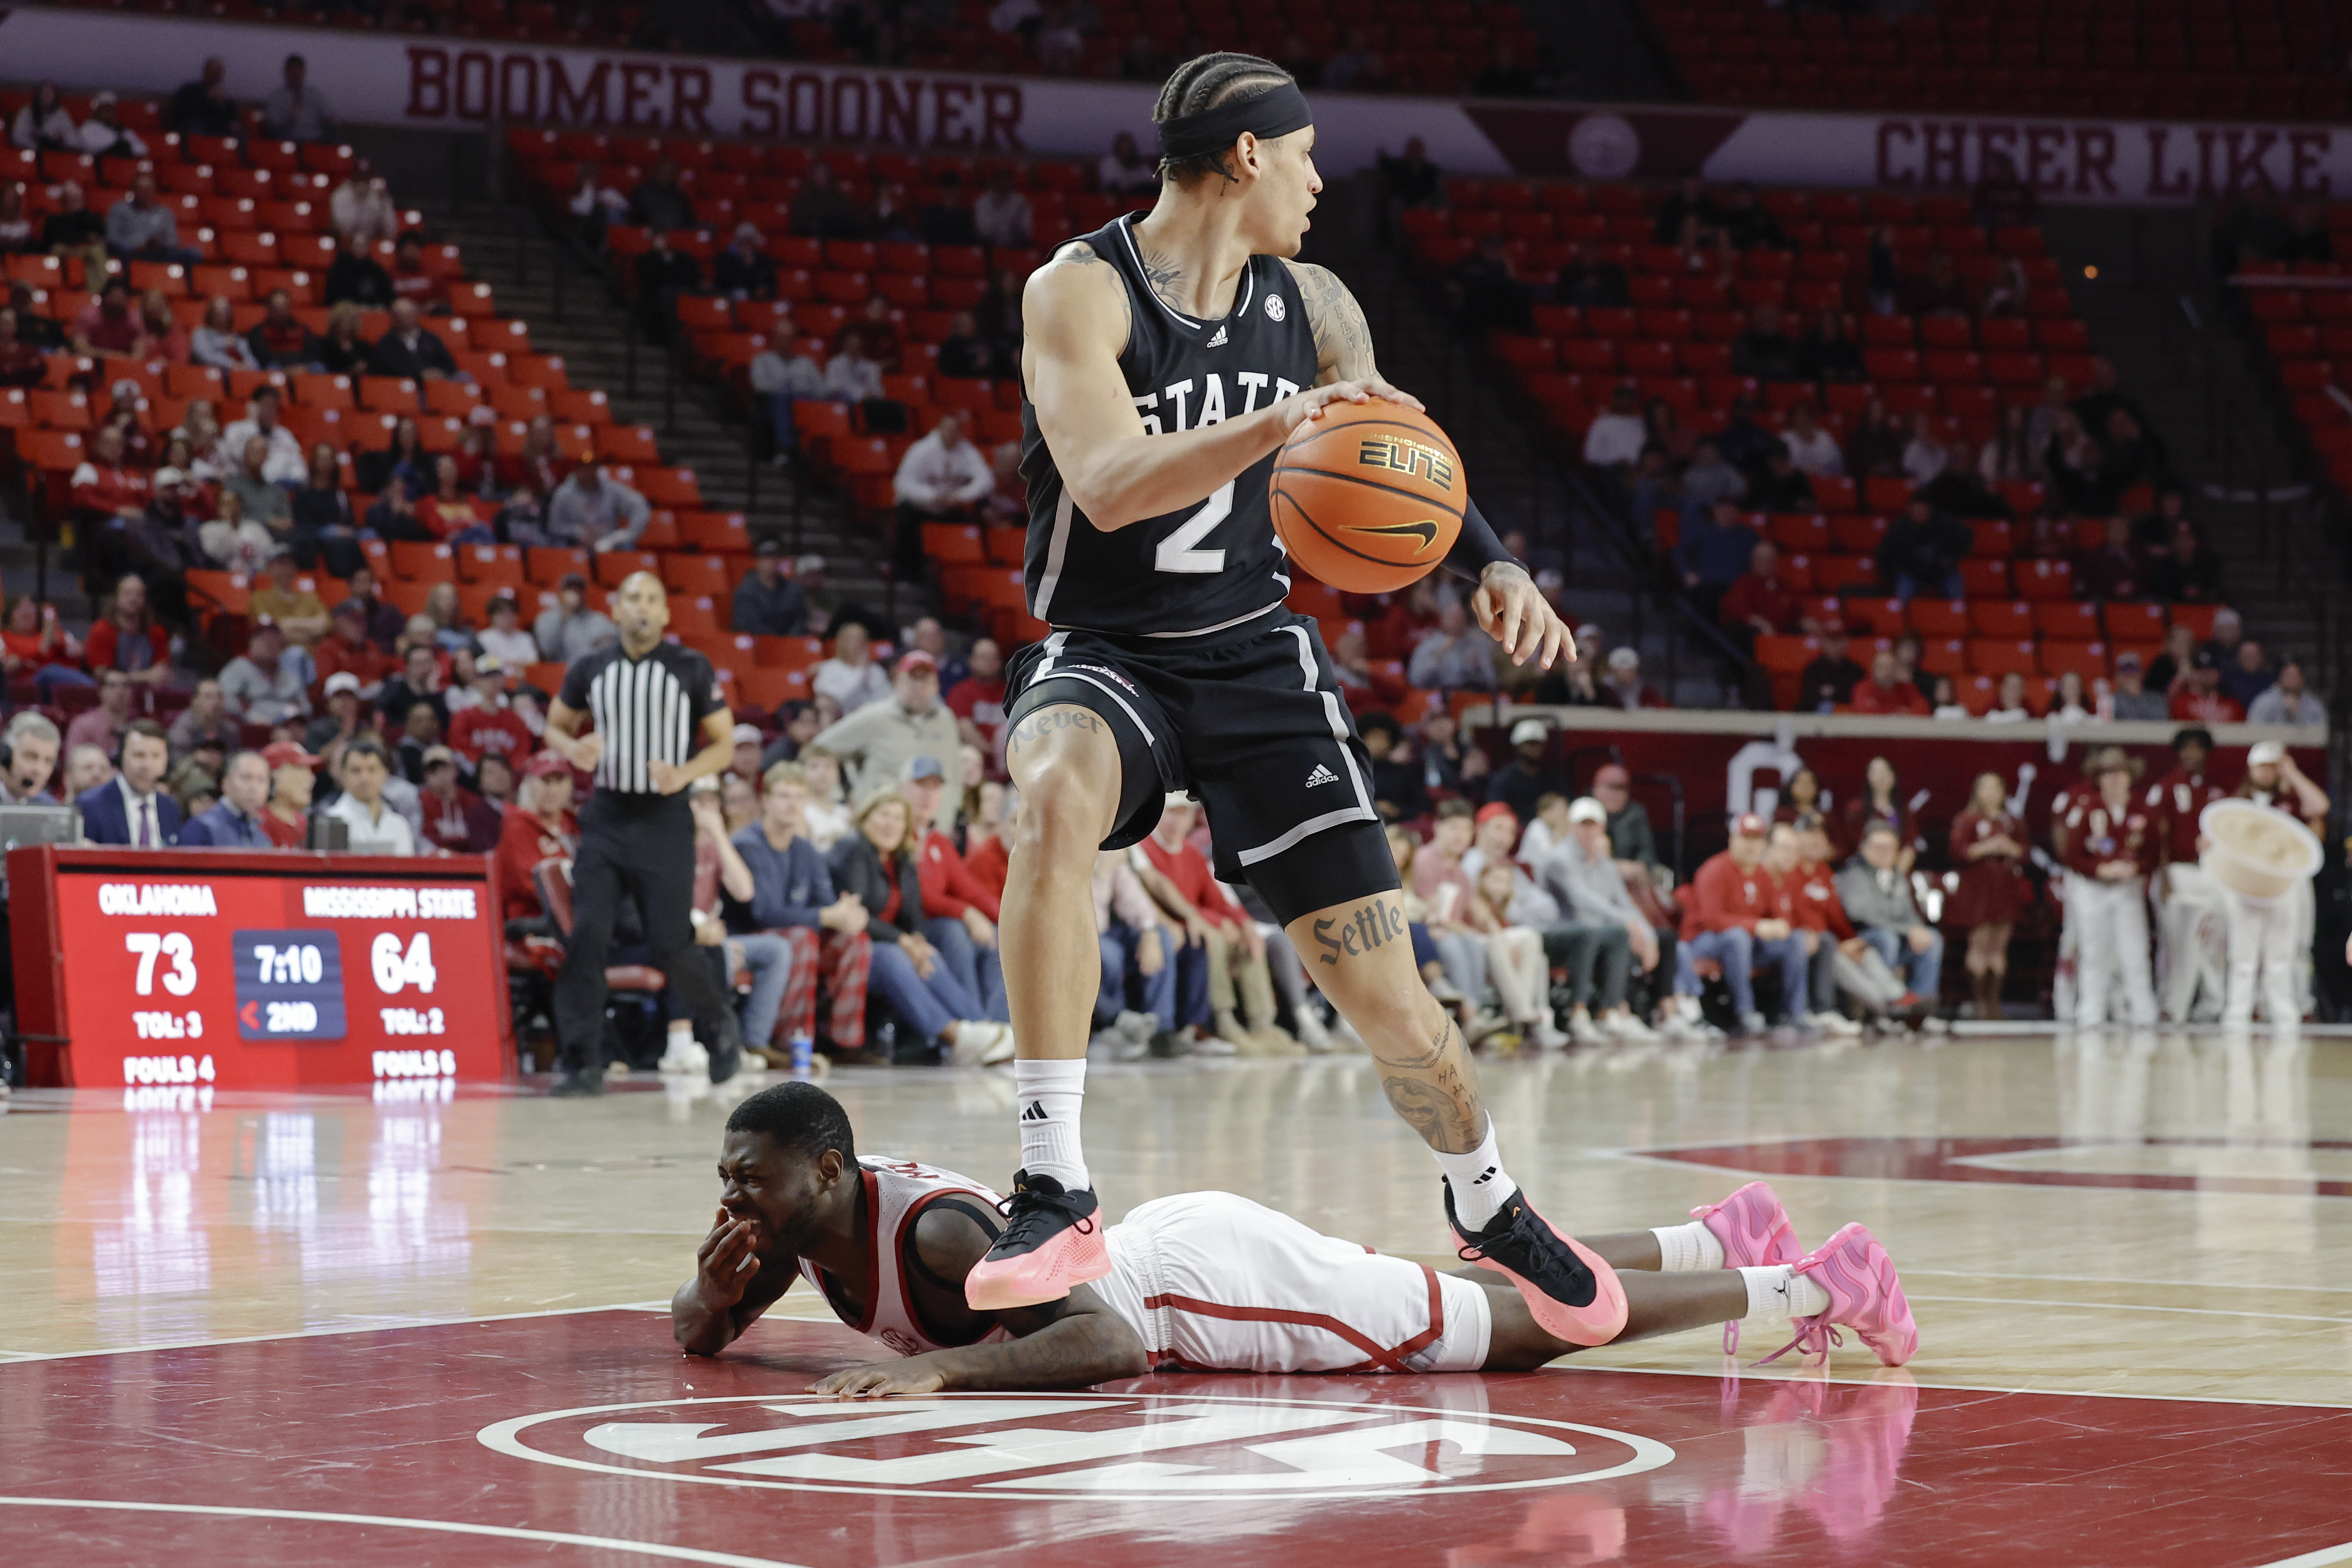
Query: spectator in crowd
x=104, y=134
x=321, y=526
x=37, y=645
x=1451, y=917
x=2130, y=698
x=1875, y=448
x=347, y=649
x=294, y=111
x=32, y=742
x=2095, y=407
x=822, y=209
x=1988, y=844
x=87, y=767
x=1604, y=935
x=1759, y=604
x=1616, y=435
x=1716, y=547
x=21, y=363
x=1765, y=350
x=876, y=737
x=417, y=684
x=286, y=814
x=375, y=827
x=456, y=819
x=793, y=902
x=205, y=721
x=2188, y=574
x=110, y=325
x=1811, y=449
x=2287, y=700
x=941, y=477
x=128, y=638
x=781, y=374
x=203, y=106
x=268, y=683
x=664, y=275
x=1775, y=483
x=828, y=805
x=1529, y=775
x=1001, y=212
x=379, y=623
x=2246, y=675
x=1743, y=440
x=2114, y=569
x=659, y=204
x=415, y=281
x=1357, y=68
x=2001, y=198
x=1590, y=279
x=977, y=699
x=1456, y=657
x=2228, y=628
x=1137, y=944
x=744, y=270
x=72, y=231
x=489, y=726
x=945, y=219
x=1959, y=489
x=849, y=675
x=362, y=211
x=1449, y=766
x=410, y=349
x=1880, y=799
x=279, y=341
x=591, y=509
x=217, y=344
x=1485, y=292
x=1827, y=353
x=1624, y=685
x=959, y=912
x=139, y=228
x=355, y=277
x=109, y=495
x=103, y=725
x=1125, y=171
x=237, y=822
x=42, y=125
x=1728, y=919
x=540, y=827
x=132, y=808
x=875, y=863
x=1876, y=895
x=243, y=540
x=1831, y=678
x=2200, y=700
x=1925, y=455
x=854, y=374
x=282, y=459
x=1398, y=792
x=1921, y=553
x=767, y=602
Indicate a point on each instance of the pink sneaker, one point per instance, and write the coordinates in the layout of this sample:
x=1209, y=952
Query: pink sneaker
x=1864, y=1295
x=1755, y=1231
x=1053, y=1240
x=1570, y=1291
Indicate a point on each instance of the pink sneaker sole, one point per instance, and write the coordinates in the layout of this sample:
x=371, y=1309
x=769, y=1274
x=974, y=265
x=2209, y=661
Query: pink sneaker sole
x=1074, y=1257
x=1596, y=1323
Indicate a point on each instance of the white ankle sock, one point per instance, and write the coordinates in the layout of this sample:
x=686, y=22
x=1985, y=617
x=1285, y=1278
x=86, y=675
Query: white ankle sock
x=1687, y=1248
x=1050, y=1094
x=1778, y=1291
x=1479, y=1182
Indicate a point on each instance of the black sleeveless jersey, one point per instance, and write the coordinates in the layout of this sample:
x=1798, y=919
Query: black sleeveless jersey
x=1213, y=564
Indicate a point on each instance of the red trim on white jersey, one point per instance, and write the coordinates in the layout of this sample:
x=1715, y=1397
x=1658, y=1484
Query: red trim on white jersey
x=1390, y=1359
x=897, y=1193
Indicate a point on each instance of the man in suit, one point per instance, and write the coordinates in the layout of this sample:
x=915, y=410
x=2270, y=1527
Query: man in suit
x=132, y=807
x=235, y=822
x=409, y=348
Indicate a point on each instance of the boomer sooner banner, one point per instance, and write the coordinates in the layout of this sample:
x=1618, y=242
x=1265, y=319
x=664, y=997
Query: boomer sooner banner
x=454, y=84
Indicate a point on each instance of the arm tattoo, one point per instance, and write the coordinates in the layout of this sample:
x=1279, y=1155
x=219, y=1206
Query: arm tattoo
x=1037, y=726
x=1343, y=339
x=1079, y=254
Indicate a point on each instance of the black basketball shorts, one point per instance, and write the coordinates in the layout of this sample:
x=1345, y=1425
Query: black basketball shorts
x=1249, y=723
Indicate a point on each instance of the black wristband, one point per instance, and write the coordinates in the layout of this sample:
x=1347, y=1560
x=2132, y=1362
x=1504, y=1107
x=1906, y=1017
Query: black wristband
x=1476, y=548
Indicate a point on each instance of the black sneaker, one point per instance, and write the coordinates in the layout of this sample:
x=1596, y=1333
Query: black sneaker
x=1053, y=1240
x=578, y=1085
x=1574, y=1295
x=726, y=1046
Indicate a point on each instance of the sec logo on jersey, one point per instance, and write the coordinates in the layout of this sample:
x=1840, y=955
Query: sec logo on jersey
x=1079, y=1445
x=1274, y=309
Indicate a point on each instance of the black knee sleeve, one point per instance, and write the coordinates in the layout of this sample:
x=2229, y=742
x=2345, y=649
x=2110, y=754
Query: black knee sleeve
x=1338, y=866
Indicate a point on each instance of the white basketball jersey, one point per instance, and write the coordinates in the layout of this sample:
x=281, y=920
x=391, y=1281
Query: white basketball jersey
x=897, y=1193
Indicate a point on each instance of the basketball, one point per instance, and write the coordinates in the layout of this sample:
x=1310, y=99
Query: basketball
x=1368, y=498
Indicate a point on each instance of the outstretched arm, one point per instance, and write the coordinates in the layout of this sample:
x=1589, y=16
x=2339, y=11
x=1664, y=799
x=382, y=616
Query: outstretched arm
x=1507, y=605
x=1074, y=314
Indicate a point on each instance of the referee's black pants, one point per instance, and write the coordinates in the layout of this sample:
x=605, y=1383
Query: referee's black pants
x=637, y=845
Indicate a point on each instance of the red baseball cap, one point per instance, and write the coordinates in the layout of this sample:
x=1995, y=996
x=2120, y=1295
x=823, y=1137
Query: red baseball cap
x=545, y=763
x=1748, y=826
x=1493, y=809
x=917, y=660
x=287, y=754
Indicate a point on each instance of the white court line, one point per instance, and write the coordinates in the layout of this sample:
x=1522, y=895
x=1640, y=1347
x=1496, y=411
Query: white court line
x=1747, y=1370
x=446, y=1527
x=2319, y=1559
x=370, y=1328
x=1661, y=1155
x=2114, y=1280
x=2124, y=1307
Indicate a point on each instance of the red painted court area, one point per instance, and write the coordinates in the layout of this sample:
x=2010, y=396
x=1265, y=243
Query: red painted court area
x=580, y=1438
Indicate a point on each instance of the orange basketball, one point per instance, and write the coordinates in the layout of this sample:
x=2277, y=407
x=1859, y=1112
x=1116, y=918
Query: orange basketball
x=1368, y=498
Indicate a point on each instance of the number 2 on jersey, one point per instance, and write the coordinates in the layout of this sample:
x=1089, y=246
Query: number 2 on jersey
x=1179, y=551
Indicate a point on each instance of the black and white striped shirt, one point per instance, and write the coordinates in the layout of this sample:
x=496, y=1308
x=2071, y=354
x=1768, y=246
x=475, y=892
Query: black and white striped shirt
x=648, y=709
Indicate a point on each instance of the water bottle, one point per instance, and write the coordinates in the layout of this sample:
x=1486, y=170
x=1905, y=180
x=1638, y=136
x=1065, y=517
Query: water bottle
x=803, y=1056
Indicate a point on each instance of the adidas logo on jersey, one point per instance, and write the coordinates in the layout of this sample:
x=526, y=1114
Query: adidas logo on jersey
x=1321, y=775
x=1217, y=341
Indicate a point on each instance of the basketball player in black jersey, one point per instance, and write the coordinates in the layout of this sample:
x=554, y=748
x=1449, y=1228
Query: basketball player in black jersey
x=1165, y=358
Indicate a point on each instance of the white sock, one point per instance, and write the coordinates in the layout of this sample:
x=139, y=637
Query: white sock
x=1051, y=1094
x=1778, y=1291
x=681, y=1030
x=1687, y=1248
x=1479, y=1182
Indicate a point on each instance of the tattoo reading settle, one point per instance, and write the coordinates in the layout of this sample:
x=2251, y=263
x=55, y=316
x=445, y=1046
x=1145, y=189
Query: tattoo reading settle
x=1376, y=924
x=1037, y=726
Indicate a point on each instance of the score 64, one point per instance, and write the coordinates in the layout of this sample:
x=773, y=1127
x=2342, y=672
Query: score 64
x=394, y=969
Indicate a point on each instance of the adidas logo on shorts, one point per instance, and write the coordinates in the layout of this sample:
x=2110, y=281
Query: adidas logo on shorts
x=1321, y=775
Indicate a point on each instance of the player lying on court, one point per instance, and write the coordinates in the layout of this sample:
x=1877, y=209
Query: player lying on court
x=1203, y=1282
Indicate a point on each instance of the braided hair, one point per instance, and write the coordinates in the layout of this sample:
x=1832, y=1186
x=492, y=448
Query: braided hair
x=1204, y=82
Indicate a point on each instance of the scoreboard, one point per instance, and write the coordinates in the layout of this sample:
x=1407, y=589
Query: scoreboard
x=139, y=968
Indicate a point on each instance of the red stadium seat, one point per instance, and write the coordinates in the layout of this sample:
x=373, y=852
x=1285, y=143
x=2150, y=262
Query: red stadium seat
x=1998, y=656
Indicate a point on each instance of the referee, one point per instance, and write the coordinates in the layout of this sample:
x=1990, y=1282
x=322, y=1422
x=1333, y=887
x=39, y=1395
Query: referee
x=659, y=725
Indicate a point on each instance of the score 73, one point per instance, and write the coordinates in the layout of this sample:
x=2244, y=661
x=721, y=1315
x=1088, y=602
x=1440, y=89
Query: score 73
x=180, y=979
x=393, y=969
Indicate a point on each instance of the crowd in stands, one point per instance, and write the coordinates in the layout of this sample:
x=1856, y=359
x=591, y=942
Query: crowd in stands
x=1481, y=48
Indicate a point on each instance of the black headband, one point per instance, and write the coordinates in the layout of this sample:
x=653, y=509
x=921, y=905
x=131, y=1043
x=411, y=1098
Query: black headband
x=1267, y=115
